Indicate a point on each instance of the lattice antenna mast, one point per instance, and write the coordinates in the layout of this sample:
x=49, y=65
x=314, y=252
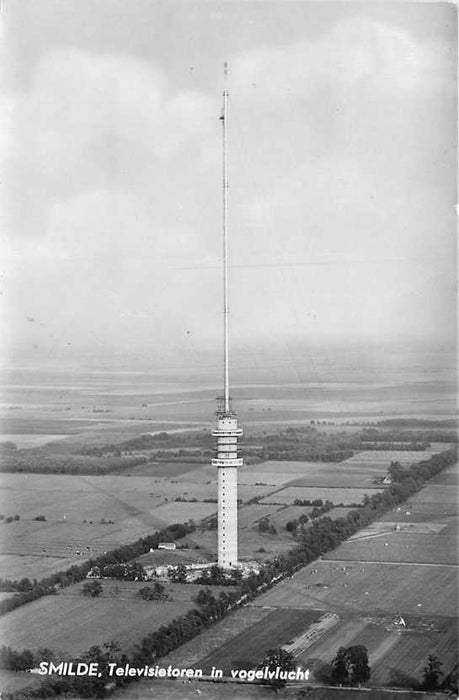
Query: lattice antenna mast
x=225, y=244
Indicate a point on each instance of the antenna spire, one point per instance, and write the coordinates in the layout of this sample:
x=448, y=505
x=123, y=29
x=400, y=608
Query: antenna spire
x=225, y=243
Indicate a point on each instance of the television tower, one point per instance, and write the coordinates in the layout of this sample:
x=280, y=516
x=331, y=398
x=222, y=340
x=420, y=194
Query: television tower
x=226, y=432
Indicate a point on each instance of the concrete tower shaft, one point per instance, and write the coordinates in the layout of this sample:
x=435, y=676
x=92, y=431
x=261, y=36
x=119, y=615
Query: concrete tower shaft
x=227, y=462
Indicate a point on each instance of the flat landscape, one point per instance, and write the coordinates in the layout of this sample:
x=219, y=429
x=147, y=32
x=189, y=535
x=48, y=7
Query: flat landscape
x=403, y=564
x=86, y=515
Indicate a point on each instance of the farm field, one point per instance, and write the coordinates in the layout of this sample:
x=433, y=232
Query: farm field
x=335, y=495
x=161, y=557
x=286, y=513
x=413, y=647
x=250, y=514
x=374, y=587
x=314, y=474
x=438, y=493
x=74, y=508
x=247, y=649
x=137, y=505
x=343, y=476
x=422, y=546
x=390, y=649
x=252, y=543
x=405, y=457
x=191, y=653
x=170, y=690
x=176, y=512
x=435, y=542
x=449, y=477
x=17, y=566
x=419, y=512
x=70, y=622
x=169, y=470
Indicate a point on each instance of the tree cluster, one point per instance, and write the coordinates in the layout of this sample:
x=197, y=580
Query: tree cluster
x=281, y=659
x=92, y=589
x=264, y=525
x=216, y=576
x=157, y=592
x=350, y=666
x=124, y=571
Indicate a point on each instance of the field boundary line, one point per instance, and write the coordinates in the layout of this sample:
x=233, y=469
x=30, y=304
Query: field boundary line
x=392, y=563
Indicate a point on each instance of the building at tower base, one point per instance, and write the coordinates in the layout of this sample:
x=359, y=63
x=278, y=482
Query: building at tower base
x=227, y=463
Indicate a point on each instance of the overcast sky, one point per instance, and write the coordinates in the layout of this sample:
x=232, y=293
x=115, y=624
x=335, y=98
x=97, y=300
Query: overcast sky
x=342, y=131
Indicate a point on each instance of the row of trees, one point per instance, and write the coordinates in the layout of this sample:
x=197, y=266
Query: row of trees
x=24, y=584
x=33, y=461
x=9, y=518
x=423, y=435
x=124, y=571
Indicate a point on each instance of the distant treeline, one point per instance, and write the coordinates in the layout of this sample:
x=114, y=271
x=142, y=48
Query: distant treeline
x=306, y=443
x=424, y=436
x=299, y=443
x=192, y=438
x=323, y=535
x=42, y=463
x=418, y=423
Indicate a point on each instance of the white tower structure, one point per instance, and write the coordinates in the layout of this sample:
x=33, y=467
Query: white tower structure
x=227, y=431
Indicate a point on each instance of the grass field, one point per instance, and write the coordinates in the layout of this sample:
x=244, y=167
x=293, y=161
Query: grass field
x=170, y=690
x=314, y=474
x=415, y=511
x=212, y=638
x=16, y=566
x=69, y=622
x=248, y=515
x=250, y=542
x=335, y=495
x=283, y=515
x=436, y=542
x=438, y=493
x=390, y=649
x=180, y=512
x=405, y=457
x=169, y=470
x=379, y=588
x=411, y=650
x=247, y=649
x=424, y=546
x=137, y=505
x=162, y=557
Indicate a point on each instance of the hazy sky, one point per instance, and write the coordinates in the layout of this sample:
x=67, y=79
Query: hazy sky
x=342, y=172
